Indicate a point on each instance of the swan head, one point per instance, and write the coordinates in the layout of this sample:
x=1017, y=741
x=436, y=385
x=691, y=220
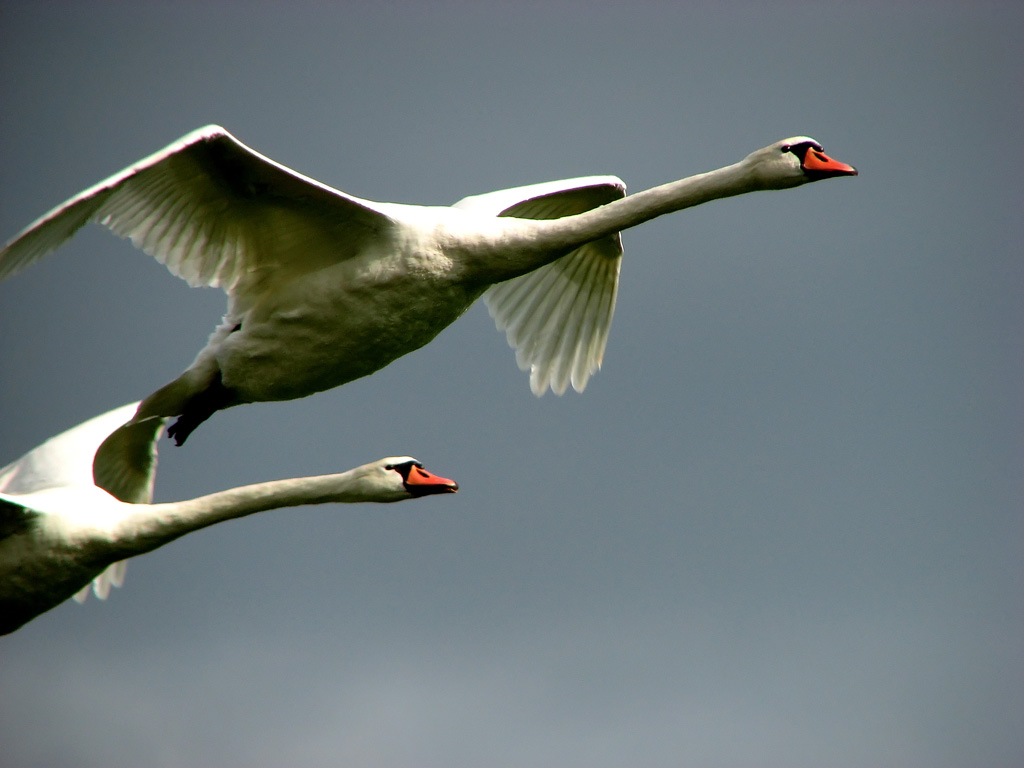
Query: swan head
x=397, y=478
x=794, y=161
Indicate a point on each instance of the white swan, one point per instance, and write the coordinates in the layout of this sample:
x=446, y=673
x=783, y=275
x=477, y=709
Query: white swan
x=324, y=287
x=59, y=533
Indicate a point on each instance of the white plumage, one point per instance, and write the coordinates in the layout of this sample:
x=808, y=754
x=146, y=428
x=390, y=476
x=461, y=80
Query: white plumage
x=324, y=287
x=60, y=534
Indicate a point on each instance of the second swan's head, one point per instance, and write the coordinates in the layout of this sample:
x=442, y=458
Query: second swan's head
x=794, y=161
x=402, y=477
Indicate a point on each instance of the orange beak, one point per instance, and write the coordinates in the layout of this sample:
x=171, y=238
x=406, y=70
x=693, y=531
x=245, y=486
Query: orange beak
x=420, y=482
x=820, y=163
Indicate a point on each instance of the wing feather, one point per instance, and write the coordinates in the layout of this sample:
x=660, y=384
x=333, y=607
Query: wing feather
x=530, y=324
x=214, y=211
x=572, y=343
x=547, y=325
x=557, y=318
x=558, y=348
x=67, y=461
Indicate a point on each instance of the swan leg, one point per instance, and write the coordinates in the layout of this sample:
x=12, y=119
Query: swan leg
x=199, y=408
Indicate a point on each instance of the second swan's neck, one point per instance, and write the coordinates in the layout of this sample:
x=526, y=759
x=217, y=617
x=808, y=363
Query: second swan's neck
x=155, y=524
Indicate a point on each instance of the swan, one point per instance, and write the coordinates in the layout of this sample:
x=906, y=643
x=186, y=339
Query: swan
x=60, y=534
x=324, y=287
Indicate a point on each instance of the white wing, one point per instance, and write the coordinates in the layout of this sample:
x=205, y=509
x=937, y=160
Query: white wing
x=65, y=461
x=557, y=317
x=214, y=211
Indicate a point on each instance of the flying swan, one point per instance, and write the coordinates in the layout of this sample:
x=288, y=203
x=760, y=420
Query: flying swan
x=324, y=287
x=60, y=534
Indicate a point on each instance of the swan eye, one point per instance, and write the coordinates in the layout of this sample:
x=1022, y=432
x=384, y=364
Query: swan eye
x=800, y=150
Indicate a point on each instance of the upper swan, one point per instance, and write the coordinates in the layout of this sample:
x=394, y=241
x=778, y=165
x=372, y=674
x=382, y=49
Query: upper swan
x=324, y=287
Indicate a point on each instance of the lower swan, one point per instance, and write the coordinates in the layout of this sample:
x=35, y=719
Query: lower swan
x=60, y=534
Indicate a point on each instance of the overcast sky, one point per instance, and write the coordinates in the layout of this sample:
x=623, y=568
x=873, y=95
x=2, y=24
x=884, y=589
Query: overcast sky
x=783, y=525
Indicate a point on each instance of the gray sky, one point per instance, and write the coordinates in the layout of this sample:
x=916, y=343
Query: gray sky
x=783, y=525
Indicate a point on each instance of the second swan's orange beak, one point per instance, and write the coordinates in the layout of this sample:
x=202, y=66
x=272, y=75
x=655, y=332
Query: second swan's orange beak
x=420, y=482
x=817, y=162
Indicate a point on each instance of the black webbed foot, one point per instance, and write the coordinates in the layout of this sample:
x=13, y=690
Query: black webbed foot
x=198, y=409
x=182, y=428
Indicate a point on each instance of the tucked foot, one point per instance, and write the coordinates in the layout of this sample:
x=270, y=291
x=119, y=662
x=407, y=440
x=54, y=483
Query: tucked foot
x=183, y=427
x=199, y=408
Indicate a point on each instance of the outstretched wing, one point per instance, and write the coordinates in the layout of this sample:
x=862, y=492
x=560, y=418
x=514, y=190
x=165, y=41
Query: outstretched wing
x=214, y=211
x=557, y=317
x=65, y=461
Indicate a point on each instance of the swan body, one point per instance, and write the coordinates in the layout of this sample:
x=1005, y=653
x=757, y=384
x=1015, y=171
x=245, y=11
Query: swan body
x=324, y=287
x=60, y=534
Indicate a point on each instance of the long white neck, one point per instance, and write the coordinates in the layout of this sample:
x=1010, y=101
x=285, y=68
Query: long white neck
x=153, y=525
x=537, y=242
x=643, y=206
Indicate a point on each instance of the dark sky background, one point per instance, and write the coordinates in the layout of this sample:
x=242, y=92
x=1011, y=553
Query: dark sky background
x=783, y=525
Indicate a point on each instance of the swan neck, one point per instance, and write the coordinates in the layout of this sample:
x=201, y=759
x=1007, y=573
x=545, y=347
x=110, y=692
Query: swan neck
x=517, y=246
x=522, y=245
x=156, y=524
x=643, y=206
